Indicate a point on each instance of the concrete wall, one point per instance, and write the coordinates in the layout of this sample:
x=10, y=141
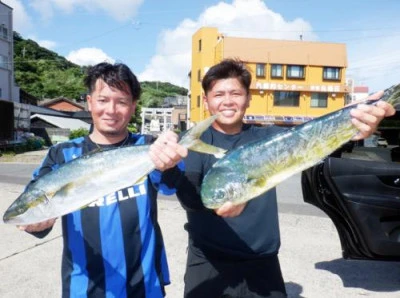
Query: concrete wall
x=51, y=136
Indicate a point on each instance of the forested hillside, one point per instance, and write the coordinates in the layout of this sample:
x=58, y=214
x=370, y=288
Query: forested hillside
x=45, y=74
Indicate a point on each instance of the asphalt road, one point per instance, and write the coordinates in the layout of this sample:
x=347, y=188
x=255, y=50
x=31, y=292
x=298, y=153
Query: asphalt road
x=310, y=253
x=16, y=173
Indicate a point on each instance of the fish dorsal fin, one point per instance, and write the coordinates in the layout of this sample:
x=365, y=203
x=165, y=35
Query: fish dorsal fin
x=98, y=150
x=94, y=151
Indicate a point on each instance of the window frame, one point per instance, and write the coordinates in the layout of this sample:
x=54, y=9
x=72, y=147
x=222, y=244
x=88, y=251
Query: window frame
x=281, y=71
x=3, y=31
x=301, y=69
x=325, y=71
x=319, y=100
x=260, y=66
x=3, y=61
x=277, y=100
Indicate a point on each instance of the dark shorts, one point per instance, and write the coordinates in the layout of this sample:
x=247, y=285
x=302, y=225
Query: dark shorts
x=217, y=278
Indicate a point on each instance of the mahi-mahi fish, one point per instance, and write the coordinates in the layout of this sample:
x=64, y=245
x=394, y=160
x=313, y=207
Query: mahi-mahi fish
x=82, y=181
x=252, y=169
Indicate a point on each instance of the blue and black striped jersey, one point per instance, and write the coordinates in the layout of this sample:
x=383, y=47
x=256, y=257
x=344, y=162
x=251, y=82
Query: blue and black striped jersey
x=113, y=247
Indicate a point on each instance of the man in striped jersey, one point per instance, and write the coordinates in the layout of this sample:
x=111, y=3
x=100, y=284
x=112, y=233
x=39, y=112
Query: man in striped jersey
x=114, y=247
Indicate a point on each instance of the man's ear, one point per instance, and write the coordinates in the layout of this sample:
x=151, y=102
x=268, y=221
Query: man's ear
x=205, y=102
x=89, y=102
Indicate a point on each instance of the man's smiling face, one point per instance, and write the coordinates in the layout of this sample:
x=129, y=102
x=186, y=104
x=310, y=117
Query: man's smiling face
x=229, y=99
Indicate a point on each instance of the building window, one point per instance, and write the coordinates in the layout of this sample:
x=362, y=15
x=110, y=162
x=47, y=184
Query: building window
x=295, y=72
x=3, y=61
x=3, y=31
x=286, y=99
x=260, y=70
x=199, y=75
x=319, y=100
x=276, y=71
x=198, y=101
x=331, y=73
x=199, y=45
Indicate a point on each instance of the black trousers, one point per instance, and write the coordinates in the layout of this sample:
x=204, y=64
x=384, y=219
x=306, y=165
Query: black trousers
x=221, y=278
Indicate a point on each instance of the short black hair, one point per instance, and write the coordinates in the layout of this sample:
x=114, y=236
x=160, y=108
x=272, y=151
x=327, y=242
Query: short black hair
x=115, y=75
x=227, y=68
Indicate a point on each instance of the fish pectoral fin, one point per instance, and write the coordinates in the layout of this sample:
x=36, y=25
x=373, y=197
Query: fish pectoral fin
x=200, y=146
x=259, y=182
x=63, y=191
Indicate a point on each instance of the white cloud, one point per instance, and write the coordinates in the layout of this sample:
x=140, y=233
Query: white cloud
x=250, y=18
x=374, y=62
x=120, y=10
x=21, y=19
x=88, y=56
x=48, y=44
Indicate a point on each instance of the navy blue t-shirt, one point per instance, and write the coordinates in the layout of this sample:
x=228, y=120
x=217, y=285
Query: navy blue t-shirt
x=252, y=234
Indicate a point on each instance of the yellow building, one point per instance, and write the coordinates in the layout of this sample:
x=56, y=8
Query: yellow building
x=292, y=81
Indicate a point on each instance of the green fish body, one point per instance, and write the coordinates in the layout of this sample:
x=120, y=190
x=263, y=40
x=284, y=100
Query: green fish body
x=254, y=168
x=82, y=181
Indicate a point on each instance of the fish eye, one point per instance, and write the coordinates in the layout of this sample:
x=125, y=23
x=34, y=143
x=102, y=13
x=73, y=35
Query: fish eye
x=220, y=194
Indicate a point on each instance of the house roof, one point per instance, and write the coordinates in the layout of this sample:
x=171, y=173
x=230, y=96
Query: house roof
x=62, y=122
x=361, y=89
x=286, y=51
x=50, y=102
x=45, y=111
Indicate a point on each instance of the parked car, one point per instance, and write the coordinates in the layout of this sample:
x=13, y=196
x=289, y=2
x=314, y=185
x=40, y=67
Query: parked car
x=395, y=153
x=381, y=142
x=362, y=198
x=346, y=147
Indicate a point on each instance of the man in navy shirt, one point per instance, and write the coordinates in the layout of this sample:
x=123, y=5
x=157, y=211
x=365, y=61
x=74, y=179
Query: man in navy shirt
x=114, y=247
x=233, y=251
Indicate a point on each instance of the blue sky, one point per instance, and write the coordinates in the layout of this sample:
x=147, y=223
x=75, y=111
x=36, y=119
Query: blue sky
x=153, y=37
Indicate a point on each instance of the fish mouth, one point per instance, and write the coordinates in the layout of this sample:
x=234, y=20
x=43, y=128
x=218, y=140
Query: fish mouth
x=12, y=213
x=10, y=218
x=15, y=220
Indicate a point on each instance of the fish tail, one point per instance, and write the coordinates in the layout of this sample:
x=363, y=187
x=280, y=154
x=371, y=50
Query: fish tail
x=197, y=130
x=191, y=139
x=392, y=95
